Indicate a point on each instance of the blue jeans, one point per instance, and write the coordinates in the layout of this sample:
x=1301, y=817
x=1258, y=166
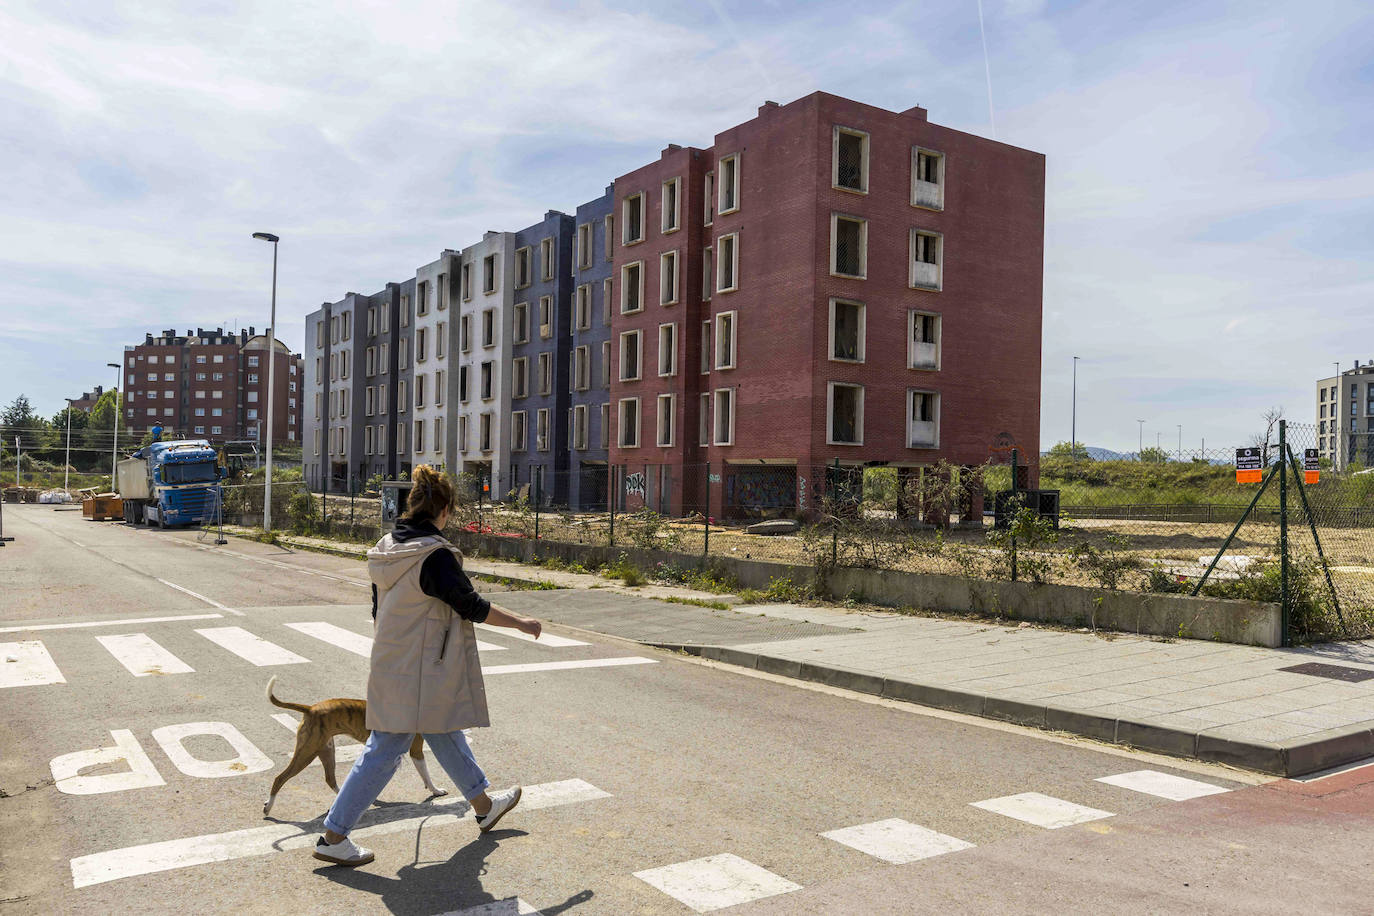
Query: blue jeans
x=377, y=764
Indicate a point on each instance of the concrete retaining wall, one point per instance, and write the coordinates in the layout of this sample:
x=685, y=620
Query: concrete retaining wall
x=1251, y=623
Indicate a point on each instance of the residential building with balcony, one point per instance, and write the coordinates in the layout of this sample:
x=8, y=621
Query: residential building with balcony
x=431, y=356
x=211, y=384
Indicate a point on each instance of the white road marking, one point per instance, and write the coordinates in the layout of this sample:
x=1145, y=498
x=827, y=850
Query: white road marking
x=561, y=666
x=141, y=774
x=1042, y=810
x=27, y=664
x=115, y=864
x=143, y=656
x=488, y=647
x=896, y=841
x=511, y=906
x=356, y=643
x=110, y=623
x=247, y=758
x=545, y=639
x=251, y=647
x=198, y=597
x=1164, y=785
x=716, y=882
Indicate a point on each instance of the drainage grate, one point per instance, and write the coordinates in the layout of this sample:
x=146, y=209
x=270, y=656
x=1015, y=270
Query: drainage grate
x=1335, y=672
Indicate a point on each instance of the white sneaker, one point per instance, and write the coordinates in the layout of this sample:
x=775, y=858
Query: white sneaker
x=501, y=802
x=344, y=852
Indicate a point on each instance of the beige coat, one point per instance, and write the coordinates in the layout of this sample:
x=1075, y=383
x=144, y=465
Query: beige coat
x=409, y=688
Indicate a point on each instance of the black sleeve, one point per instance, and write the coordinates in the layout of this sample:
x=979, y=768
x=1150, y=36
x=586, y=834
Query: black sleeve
x=441, y=577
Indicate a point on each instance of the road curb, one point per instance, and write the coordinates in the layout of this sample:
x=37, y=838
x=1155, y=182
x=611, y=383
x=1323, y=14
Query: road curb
x=1297, y=757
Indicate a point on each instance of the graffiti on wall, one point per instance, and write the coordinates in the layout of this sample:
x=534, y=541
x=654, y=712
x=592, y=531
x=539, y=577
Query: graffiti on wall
x=765, y=488
x=634, y=484
x=801, y=493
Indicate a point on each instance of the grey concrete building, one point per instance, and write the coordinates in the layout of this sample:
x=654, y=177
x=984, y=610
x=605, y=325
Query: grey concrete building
x=431, y=353
x=478, y=441
x=589, y=376
x=540, y=344
x=1345, y=416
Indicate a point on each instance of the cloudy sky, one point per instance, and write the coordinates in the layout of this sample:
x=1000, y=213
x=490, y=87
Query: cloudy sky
x=1210, y=178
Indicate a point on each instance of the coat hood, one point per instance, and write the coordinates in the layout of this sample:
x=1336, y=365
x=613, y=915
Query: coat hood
x=392, y=558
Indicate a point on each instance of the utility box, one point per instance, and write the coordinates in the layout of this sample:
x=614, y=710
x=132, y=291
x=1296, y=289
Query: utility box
x=395, y=498
x=1006, y=503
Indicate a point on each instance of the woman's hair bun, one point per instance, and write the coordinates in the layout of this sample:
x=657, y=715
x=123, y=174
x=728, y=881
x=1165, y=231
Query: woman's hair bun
x=430, y=495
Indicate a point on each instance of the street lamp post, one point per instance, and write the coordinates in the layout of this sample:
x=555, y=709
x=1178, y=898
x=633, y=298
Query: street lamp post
x=1180, y=442
x=271, y=378
x=1140, y=447
x=67, y=468
x=114, y=448
x=1073, y=423
x=1340, y=433
x=1157, y=451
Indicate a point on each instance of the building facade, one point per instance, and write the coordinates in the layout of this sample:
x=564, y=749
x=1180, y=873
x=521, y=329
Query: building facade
x=479, y=440
x=1345, y=417
x=88, y=399
x=828, y=285
x=863, y=288
x=540, y=343
x=211, y=385
x=590, y=370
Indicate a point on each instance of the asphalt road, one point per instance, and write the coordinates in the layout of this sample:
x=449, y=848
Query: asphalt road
x=637, y=762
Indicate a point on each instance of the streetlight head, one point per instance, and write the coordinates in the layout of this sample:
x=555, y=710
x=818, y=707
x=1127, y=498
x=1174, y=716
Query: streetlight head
x=113, y=365
x=266, y=236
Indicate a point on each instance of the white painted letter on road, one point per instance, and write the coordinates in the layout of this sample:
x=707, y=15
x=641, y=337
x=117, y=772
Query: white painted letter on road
x=66, y=770
x=247, y=758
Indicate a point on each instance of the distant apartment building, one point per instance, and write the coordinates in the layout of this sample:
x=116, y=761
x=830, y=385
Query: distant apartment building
x=539, y=390
x=88, y=399
x=828, y=283
x=1345, y=417
x=589, y=378
x=431, y=354
x=212, y=385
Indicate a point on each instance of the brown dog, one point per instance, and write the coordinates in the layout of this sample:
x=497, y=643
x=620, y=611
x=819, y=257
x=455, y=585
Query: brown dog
x=315, y=738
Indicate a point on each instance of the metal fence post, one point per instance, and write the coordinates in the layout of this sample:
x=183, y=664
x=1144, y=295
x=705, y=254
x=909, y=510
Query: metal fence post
x=1015, y=489
x=706, y=513
x=835, y=521
x=610, y=499
x=1284, y=592
x=538, y=497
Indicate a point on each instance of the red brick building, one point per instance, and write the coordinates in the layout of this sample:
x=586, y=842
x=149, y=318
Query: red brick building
x=828, y=281
x=211, y=385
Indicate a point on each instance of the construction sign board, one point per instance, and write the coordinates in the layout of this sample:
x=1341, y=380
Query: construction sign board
x=1311, y=466
x=1248, y=465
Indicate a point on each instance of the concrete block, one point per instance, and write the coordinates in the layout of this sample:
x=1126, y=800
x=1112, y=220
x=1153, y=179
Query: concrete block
x=730, y=656
x=1331, y=748
x=1264, y=756
x=938, y=697
x=858, y=681
x=1077, y=722
x=786, y=667
x=1018, y=711
x=1154, y=737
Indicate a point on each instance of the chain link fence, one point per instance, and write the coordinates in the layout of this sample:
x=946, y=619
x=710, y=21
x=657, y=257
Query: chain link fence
x=1175, y=522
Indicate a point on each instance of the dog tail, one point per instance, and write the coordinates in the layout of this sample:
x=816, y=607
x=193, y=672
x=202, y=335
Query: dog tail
x=282, y=703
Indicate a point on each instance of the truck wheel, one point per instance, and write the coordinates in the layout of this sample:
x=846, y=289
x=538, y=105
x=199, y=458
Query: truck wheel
x=161, y=525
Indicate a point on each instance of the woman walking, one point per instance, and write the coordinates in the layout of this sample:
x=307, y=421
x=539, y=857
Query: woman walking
x=425, y=677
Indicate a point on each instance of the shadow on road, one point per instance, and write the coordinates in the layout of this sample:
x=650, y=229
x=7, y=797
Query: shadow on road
x=456, y=884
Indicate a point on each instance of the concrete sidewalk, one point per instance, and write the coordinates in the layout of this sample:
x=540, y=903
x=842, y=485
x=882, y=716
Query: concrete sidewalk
x=1213, y=701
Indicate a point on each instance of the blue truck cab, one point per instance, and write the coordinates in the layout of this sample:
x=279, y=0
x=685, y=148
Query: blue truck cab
x=170, y=483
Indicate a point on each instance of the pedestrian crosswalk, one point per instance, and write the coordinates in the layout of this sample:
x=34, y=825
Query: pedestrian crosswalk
x=714, y=882
x=31, y=663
